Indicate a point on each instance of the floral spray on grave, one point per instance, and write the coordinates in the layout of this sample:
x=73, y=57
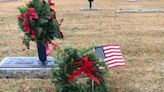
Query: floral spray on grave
x=38, y=22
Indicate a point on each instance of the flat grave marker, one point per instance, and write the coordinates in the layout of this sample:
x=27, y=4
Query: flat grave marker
x=139, y=10
x=132, y=0
x=15, y=67
x=8, y=1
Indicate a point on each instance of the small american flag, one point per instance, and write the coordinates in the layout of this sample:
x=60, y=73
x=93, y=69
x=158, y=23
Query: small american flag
x=111, y=54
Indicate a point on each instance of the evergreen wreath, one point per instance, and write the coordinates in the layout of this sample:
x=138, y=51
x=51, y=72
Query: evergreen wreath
x=71, y=64
x=38, y=22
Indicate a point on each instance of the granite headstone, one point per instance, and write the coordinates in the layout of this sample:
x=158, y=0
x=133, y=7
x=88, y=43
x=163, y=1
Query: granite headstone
x=26, y=67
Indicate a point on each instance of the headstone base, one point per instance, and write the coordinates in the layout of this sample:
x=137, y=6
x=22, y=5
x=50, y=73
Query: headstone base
x=89, y=9
x=25, y=72
x=29, y=67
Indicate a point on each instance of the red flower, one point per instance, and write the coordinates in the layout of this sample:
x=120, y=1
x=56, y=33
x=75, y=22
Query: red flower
x=52, y=5
x=24, y=15
x=33, y=33
x=50, y=2
x=32, y=14
x=86, y=68
x=26, y=27
x=20, y=17
x=47, y=46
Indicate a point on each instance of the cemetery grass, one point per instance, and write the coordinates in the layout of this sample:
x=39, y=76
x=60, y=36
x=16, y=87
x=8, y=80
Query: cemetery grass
x=140, y=35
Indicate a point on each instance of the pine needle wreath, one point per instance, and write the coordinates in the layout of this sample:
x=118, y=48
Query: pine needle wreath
x=38, y=22
x=67, y=66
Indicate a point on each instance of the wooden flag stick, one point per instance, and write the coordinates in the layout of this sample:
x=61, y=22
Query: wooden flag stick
x=92, y=86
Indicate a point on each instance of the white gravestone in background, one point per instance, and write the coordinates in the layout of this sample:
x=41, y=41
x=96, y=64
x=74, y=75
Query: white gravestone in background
x=132, y=0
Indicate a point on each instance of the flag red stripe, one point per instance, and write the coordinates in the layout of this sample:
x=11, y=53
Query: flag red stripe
x=115, y=63
x=111, y=49
x=112, y=56
x=111, y=66
x=112, y=52
x=115, y=60
x=107, y=51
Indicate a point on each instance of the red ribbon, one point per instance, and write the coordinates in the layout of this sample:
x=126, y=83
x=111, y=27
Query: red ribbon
x=47, y=47
x=50, y=2
x=61, y=33
x=86, y=68
x=52, y=7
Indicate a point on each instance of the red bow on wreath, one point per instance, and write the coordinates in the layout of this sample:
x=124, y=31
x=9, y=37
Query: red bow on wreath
x=86, y=68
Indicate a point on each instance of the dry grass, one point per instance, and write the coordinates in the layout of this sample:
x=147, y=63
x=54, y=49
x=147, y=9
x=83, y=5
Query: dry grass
x=141, y=36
